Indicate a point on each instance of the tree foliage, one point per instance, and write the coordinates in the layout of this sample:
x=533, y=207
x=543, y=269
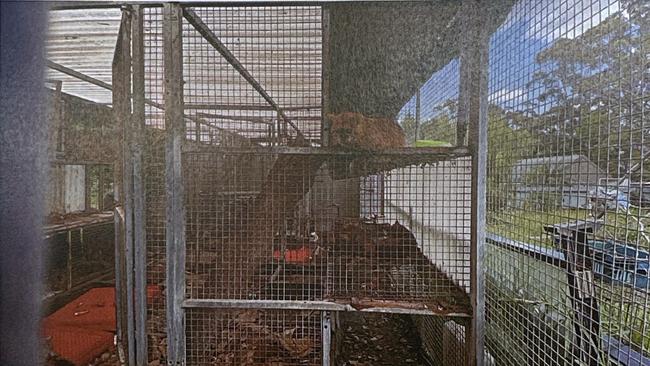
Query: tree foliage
x=590, y=92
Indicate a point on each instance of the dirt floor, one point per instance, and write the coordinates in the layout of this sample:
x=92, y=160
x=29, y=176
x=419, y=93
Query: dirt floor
x=367, y=339
x=108, y=358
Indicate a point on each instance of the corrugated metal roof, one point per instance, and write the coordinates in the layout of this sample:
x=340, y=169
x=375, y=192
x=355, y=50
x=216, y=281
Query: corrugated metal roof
x=83, y=40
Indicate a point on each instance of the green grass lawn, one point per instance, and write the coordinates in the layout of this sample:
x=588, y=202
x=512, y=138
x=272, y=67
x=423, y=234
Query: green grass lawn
x=528, y=225
x=623, y=312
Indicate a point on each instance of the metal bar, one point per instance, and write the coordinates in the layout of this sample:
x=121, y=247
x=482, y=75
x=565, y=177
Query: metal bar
x=122, y=110
x=326, y=333
x=474, y=69
x=308, y=305
x=546, y=255
x=175, y=228
x=120, y=303
x=325, y=81
x=69, y=269
x=236, y=118
x=78, y=162
x=100, y=191
x=265, y=304
x=417, y=116
x=104, y=85
x=86, y=188
x=247, y=107
x=76, y=74
x=58, y=118
x=212, y=38
x=438, y=151
x=80, y=5
x=139, y=242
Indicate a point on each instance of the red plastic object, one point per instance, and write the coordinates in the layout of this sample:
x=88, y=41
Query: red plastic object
x=301, y=255
x=84, y=328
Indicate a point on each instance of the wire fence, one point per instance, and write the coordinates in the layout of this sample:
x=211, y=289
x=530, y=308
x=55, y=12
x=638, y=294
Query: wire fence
x=568, y=180
x=567, y=255
x=568, y=191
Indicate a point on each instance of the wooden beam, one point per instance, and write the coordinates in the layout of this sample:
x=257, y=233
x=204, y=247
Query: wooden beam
x=212, y=38
x=175, y=211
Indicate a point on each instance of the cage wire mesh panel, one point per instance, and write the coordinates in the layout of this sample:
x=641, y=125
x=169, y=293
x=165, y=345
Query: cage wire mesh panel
x=290, y=234
x=154, y=182
x=281, y=48
x=437, y=203
x=430, y=116
x=253, y=337
x=351, y=228
x=568, y=213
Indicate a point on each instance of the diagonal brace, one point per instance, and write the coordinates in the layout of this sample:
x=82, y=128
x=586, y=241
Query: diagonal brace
x=212, y=38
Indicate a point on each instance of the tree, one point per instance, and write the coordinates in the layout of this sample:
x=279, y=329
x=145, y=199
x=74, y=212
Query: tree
x=592, y=90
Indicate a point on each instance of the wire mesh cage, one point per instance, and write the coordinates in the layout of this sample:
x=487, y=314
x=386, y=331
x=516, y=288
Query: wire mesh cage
x=250, y=213
x=265, y=205
x=289, y=228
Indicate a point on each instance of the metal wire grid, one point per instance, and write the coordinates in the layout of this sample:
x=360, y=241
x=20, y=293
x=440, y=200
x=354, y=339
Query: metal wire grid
x=280, y=47
x=431, y=114
x=568, y=144
x=154, y=181
x=253, y=337
x=289, y=228
x=217, y=213
x=77, y=256
x=442, y=339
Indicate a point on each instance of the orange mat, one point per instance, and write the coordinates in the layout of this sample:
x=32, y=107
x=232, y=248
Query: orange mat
x=84, y=328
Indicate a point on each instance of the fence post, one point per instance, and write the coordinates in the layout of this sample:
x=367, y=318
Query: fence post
x=326, y=331
x=121, y=69
x=139, y=243
x=417, y=117
x=472, y=116
x=175, y=209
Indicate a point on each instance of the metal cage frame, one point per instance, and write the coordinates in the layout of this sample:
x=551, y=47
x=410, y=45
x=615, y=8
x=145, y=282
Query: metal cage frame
x=130, y=104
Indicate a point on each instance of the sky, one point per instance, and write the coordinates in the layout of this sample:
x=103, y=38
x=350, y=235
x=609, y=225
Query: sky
x=531, y=26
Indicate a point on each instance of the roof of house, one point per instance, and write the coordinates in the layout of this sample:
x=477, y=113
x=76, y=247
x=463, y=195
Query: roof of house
x=569, y=169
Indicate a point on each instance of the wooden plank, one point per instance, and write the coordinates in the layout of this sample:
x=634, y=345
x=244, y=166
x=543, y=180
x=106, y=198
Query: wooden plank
x=175, y=210
x=209, y=36
x=139, y=242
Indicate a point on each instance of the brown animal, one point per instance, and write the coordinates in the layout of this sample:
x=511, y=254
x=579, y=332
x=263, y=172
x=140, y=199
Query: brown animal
x=355, y=131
